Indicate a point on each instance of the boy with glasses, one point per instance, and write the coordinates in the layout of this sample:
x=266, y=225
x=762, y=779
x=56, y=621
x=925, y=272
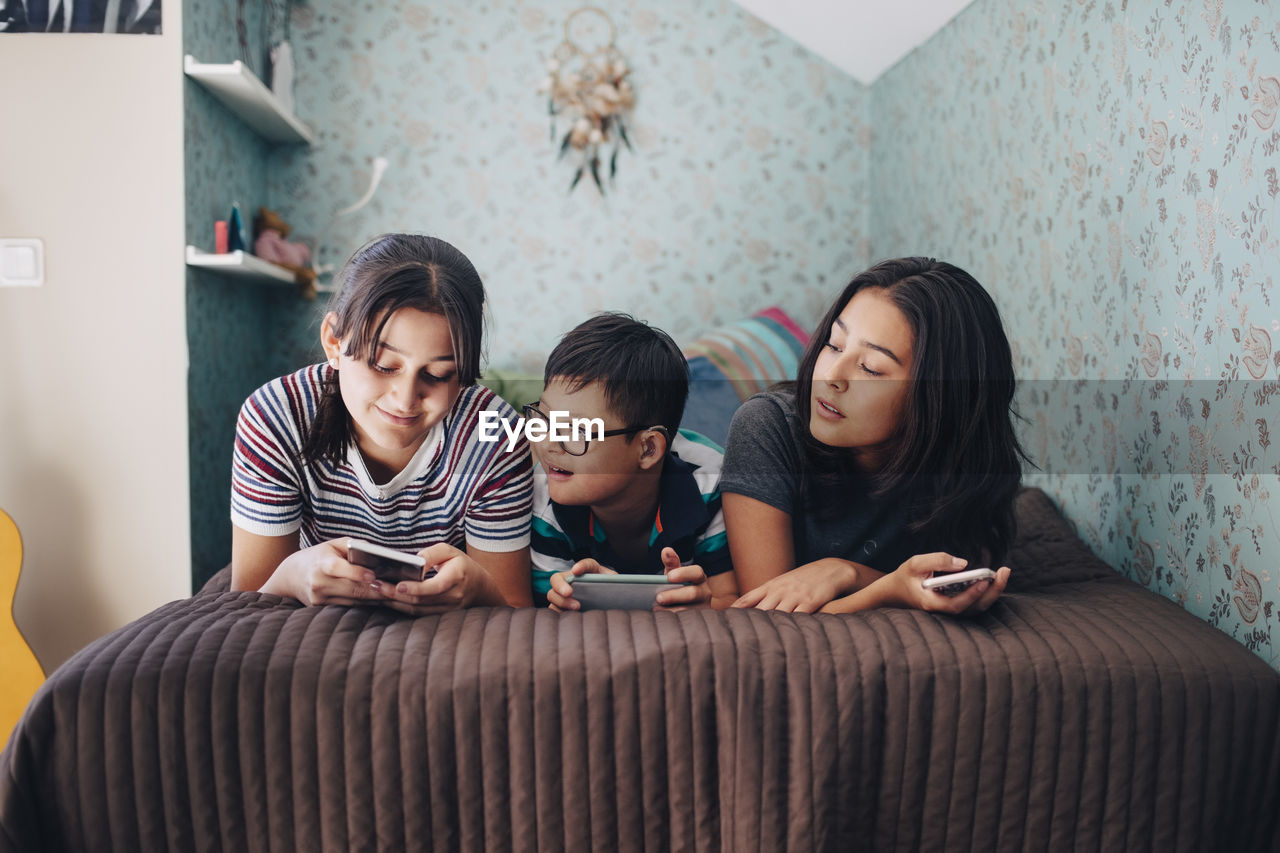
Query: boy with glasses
x=634, y=494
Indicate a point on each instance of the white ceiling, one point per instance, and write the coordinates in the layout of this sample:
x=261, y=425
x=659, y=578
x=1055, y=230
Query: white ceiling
x=862, y=37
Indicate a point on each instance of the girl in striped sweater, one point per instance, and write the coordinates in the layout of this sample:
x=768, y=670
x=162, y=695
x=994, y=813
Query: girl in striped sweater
x=382, y=443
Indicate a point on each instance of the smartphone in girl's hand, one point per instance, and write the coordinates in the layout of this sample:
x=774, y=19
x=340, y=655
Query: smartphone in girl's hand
x=954, y=583
x=388, y=564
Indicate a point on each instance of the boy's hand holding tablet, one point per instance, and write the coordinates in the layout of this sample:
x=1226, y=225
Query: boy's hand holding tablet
x=591, y=586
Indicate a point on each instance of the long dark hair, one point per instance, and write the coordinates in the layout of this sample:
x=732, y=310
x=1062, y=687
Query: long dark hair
x=388, y=273
x=956, y=459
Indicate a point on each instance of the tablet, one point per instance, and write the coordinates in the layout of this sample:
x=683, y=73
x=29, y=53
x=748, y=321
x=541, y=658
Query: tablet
x=619, y=592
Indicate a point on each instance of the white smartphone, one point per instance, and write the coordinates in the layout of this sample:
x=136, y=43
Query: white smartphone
x=954, y=583
x=619, y=592
x=388, y=564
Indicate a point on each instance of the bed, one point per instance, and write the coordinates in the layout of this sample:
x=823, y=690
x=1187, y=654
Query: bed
x=1081, y=712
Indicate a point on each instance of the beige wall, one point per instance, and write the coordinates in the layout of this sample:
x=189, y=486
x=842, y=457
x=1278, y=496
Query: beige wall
x=93, y=365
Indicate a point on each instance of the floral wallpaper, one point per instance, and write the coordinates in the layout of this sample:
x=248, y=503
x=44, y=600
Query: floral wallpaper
x=747, y=186
x=233, y=327
x=1109, y=170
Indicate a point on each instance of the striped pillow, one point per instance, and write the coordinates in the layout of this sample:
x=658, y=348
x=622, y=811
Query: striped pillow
x=729, y=364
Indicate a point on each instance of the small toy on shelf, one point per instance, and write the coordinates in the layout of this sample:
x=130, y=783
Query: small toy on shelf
x=270, y=244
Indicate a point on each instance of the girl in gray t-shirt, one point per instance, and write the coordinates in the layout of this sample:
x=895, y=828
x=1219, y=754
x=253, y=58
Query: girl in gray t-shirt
x=892, y=457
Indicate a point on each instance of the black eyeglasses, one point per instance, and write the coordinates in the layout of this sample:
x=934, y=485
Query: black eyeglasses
x=581, y=435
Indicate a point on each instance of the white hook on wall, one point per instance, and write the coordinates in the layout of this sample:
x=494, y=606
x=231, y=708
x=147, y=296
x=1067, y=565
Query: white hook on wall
x=379, y=166
x=326, y=269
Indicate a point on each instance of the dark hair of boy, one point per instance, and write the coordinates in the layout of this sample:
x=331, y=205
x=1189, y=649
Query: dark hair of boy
x=643, y=373
x=388, y=273
x=958, y=452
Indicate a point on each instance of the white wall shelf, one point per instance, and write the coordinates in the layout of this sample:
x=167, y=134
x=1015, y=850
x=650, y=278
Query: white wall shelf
x=249, y=98
x=240, y=264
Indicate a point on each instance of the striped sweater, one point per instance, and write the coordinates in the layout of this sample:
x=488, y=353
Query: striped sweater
x=455, y=489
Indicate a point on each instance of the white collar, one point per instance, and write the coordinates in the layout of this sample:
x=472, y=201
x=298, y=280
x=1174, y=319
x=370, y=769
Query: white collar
x=423, y=459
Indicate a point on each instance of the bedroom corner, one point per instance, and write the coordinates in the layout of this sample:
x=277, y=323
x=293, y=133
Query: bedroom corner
x=1110, y=171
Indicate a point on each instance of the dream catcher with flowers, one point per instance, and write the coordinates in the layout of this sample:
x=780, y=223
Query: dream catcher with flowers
x=587, y=87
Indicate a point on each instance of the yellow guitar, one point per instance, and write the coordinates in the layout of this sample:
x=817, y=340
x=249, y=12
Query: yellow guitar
x=20, y=672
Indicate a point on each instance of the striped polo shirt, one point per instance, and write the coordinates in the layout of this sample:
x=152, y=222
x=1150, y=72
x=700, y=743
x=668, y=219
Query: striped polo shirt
x=688, y=518
x=455, y=489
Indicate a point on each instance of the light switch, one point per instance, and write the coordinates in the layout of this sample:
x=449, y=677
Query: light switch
x=21, y=262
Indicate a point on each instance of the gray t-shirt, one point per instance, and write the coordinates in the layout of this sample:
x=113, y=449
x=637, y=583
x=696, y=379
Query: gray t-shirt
x=764, y=460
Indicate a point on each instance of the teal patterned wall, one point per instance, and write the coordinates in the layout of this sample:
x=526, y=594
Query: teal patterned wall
x=234, y=328
x=748, y=185
x=1109, y=170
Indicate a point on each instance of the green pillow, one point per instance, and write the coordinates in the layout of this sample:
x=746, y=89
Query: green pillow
x=516, y=388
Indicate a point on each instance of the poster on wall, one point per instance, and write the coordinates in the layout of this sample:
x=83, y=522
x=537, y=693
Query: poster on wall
x=80, y=16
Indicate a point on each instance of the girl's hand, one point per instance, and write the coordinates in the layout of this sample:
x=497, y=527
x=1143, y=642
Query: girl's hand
x=560, y=596
x=907, y=579
x=697, y=594
x=459, y=582
x=804, y=589
x=321, y=574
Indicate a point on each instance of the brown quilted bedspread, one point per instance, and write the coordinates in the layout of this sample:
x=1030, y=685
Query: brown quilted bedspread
x=1081, y=713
